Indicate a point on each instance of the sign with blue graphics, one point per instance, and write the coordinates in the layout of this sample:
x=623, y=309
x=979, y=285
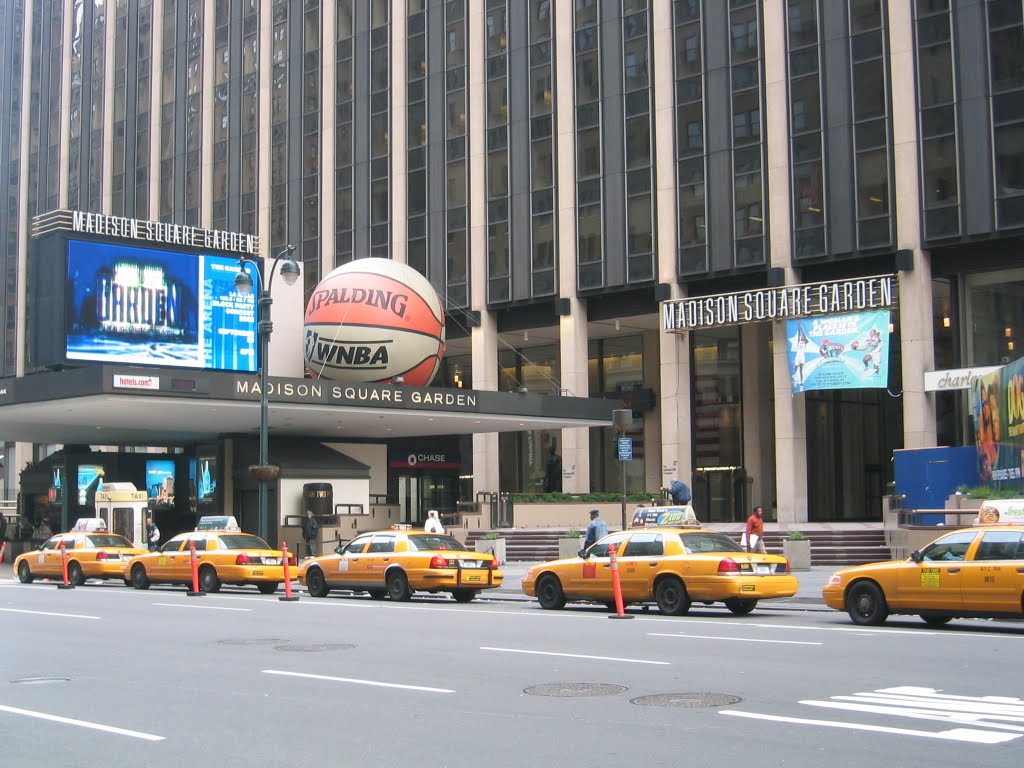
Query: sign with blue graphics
x=625, y=448
x=839, y=352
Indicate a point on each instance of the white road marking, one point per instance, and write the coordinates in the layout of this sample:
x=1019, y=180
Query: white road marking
x=48, y=613
x=924, y=713
x=737, y=639
x=574, y=655
x=807, y=627
x=207, y=607
x=82, y=723
x=355, y=681
x=956, y=734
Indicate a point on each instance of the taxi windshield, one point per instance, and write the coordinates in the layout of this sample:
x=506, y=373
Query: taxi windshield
x=242, y=541
x=434, y=542
x=107, y=540
x=709, y=542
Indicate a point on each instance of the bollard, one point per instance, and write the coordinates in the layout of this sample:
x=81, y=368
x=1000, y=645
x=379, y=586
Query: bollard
x=64, y=567
x=195, y=591
x=288, y=596
x=620, y=612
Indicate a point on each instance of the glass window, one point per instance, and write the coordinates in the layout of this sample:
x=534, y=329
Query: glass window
x=951, y=547
x=645, y=545
x=384, y=543
x=601, y=548
x=716, y=397
x=1000, y=545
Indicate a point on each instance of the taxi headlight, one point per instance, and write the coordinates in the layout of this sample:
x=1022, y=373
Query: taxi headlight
x=528, y=574
x=835, y=580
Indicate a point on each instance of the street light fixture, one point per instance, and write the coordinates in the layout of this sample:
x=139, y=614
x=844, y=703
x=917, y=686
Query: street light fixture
x=264, y=470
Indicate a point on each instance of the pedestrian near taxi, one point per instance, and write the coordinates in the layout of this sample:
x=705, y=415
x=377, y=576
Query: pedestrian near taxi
x=433, y=524
x=753, y=537
x=152, y=535
x=597, y=529
x=310, y=528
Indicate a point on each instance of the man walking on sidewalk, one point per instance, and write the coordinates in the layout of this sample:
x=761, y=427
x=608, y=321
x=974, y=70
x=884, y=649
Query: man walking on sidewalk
x=753, y=537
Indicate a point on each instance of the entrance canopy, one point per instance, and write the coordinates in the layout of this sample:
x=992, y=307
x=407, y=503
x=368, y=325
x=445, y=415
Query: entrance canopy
x=123, y=405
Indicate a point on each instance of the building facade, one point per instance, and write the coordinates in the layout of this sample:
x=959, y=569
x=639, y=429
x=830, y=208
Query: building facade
x=557, y=170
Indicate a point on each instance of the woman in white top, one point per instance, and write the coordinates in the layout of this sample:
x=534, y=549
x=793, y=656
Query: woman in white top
x=433, y=525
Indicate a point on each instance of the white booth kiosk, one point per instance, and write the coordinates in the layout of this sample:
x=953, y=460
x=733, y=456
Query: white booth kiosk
x=125, y=510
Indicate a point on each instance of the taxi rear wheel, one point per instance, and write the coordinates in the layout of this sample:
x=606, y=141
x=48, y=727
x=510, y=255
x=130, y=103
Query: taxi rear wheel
x=208, y=581
x=139, y=578
x=75, y=575
x=398, y=587
x=741, y=606
x=672, y=597
x=464, y=595
x=316, y=584
x=937, y=621
x=866, y=604
x=549, y=593
x=267, y=589
x=25, y=573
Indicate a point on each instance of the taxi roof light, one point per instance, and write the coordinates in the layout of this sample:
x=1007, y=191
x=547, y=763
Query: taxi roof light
x=218, y=523
x=728, y=565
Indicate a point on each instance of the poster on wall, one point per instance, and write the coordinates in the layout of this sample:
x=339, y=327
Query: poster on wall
x=160, y=482
x=997, y=410
x=839, y=351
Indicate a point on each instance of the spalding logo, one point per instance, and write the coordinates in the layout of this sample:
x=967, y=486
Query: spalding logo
x=321, y=351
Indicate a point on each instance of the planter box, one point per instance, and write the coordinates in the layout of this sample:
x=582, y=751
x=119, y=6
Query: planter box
x=798, y=553
x=569, y=547
x=495, y=547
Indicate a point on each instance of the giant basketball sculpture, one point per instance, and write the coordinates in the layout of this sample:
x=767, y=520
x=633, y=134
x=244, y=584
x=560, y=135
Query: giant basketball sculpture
x=372, y=320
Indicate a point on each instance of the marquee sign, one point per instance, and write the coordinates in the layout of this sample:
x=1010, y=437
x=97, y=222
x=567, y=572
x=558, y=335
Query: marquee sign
x=787, y=302
x=163, y=233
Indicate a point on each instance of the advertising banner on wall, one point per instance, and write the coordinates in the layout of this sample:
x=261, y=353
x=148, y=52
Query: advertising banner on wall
x=839, y=351
x=997, y=409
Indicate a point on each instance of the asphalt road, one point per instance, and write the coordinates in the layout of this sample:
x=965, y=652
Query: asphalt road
x=107, y=676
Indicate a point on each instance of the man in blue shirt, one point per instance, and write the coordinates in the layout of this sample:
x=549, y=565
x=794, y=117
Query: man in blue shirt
x=597, y=529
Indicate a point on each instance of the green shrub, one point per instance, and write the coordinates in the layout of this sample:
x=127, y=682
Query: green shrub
x=989, y=492
x=491, y=535
x=572, y=533
x=796, y=536
x=582, y=498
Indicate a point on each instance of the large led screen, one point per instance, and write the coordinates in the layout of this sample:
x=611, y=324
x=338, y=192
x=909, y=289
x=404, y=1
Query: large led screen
x=156, y=307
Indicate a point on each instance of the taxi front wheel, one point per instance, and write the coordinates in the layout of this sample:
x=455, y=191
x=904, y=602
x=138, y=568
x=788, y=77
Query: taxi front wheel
x=671, y=596
x=75, y=575
x=549, y=593
x=316, y=584
x=139, y=578
x=866, y=604
x=208, y=581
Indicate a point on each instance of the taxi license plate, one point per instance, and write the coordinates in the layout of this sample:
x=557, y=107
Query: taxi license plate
x=471, y=564
x=762, y=569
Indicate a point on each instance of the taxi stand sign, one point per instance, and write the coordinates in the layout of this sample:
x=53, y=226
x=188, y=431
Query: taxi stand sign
x=625, y=445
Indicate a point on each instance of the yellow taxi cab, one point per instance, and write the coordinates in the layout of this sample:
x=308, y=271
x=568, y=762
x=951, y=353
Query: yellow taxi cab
x=396, y=563
x=91, y=555
x=971, y=572
x=673, y=566
x=225, y=555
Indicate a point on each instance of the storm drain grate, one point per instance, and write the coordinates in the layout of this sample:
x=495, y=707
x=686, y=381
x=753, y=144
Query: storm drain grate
x=315, y=647
x=686, y=700
x=253, y=641
x=575, y=689
x=40, y=680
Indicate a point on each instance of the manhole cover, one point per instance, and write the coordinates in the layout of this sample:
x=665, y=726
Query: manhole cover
x=40, y=680
x=686, y=700
x=575, y=689
x=252, y=641
x=315, y=647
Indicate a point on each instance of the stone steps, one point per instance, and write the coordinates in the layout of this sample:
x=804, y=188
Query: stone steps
x=828, y=548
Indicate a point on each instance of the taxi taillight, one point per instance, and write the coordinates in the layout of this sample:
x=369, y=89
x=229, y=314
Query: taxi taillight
x=439, y=562
x=728, y=565
x=102, y=555
x=293, y=560
x=787, y=567
x=243, y=559
x=494, y=563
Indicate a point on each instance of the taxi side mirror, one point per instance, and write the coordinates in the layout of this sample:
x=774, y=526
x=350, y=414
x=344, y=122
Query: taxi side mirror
x=582, y=553
x=916, y=556
x=340, y=549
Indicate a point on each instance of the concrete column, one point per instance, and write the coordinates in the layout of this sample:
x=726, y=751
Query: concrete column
x=917, y=343
x=398, y=144
x=674, y=400
x=572, y=330
x=206, y=148
x=328, y=106
x=266, y=67
x=758, y=414
x=484, y=345
x=790, y=417
x=23, y=222
x=155, y=94
x=65, y=115
x=107, y=179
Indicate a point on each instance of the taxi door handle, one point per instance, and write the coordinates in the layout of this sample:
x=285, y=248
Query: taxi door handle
x=386, y=559
x=1020, y=570
x=653, y=565
x=954, y=570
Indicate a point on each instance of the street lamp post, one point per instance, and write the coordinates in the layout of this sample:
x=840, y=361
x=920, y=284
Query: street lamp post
x=622, y=418
x=264, y=471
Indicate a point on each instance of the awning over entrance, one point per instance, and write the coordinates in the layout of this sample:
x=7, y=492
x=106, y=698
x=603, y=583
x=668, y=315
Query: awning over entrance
x=121, y=405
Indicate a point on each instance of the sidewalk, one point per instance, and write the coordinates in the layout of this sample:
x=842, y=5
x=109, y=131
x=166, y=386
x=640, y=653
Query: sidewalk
x=808, y=596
